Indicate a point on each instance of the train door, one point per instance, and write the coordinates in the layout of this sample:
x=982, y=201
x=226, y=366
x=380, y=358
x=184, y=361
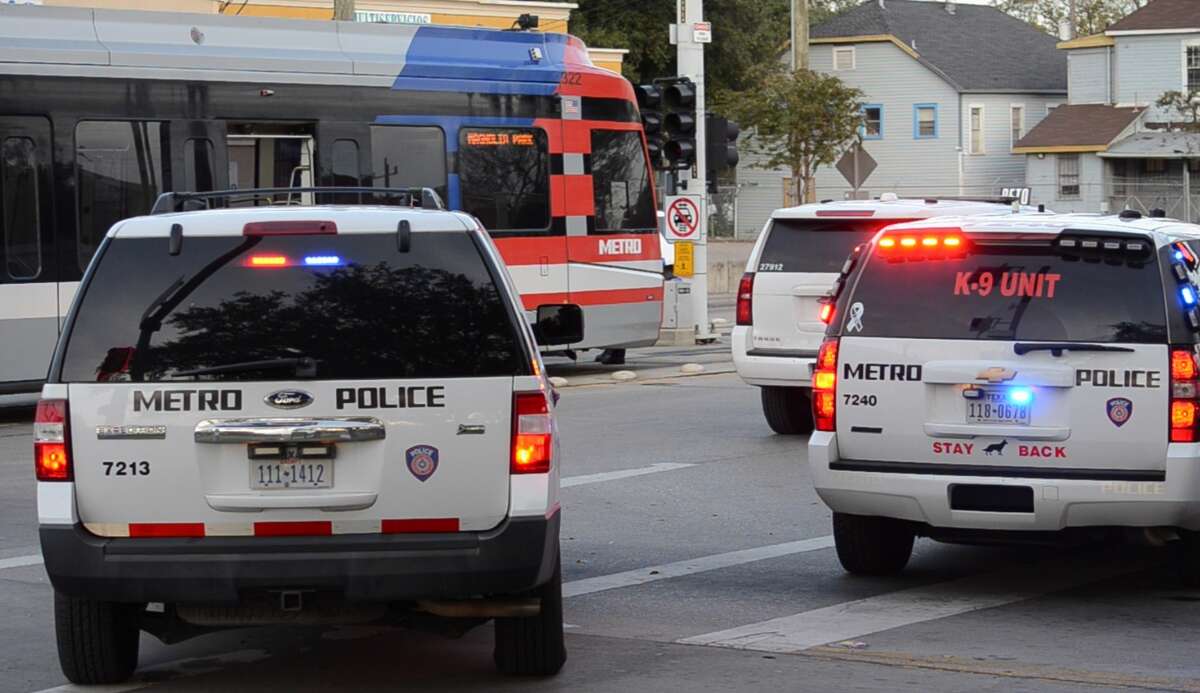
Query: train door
x=198, y=157
x=272, y=155
x=29, y=302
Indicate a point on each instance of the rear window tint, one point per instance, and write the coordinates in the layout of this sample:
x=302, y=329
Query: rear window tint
x=814, y=245
x=1009, y=293
x=351, y=306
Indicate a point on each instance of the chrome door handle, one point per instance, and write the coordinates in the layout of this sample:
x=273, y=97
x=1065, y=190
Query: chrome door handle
x=330, y=430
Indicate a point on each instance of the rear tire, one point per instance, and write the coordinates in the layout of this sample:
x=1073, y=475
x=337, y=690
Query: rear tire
x=97, y=641
x=872, y=545
x=534, y=646
x=1188, y=558
x=788, y=410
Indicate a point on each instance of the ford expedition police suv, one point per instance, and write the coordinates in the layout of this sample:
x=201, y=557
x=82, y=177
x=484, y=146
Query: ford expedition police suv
x=305, y=414
x=988, y=377
x=780, y=321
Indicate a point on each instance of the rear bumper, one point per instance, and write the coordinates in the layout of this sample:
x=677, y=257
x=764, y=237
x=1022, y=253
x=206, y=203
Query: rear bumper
x=1058, y=503
x=761, y=367
x=517, y=556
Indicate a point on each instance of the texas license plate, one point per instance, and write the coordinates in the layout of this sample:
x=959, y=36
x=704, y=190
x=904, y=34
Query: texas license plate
x=299, y=474
x=996, y=407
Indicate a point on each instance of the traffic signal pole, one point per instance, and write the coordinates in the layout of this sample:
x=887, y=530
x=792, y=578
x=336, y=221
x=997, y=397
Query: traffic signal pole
x=690, y=63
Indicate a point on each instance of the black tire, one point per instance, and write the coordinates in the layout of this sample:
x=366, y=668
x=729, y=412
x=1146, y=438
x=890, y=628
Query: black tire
x=97, y=641
x=534, y=646
x=872, y=545
x=788, y=410
x=1187, y=556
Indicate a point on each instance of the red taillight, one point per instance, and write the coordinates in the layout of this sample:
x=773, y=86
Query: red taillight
x=51, y=443
x=824, y=397
x=1183, y=396
x=745, y=298
x=298, y=227
x=826, y=313
x=533, y=434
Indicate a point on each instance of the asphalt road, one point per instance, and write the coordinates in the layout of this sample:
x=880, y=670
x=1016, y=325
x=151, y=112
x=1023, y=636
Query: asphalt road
x=697, y=558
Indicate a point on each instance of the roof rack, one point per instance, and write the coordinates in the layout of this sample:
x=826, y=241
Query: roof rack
x=997, y=199
x=424, y=198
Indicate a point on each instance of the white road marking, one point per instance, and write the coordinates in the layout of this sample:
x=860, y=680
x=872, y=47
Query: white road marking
x=175, y=670
x=20, y=561
x=641, y=576
x=622, y=474
x=856, y=619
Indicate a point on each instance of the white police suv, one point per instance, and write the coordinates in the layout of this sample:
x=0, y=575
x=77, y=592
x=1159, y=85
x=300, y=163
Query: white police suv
x=311, y=415
x=988, y=378
x=780, y=318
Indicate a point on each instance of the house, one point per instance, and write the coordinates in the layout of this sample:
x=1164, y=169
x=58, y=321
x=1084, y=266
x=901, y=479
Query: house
x=948, y=90
x=1112, y=147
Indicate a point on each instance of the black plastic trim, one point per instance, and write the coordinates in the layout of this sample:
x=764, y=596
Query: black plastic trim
x=1005, y=471
x=18, y=387
x=784, y=353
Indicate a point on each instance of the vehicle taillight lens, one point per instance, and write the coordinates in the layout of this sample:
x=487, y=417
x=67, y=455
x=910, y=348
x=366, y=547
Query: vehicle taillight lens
x=1183, y=395
x=51, y=444
x=824, y=400
x=533, y=434
x=826, y=313
x=745, y=296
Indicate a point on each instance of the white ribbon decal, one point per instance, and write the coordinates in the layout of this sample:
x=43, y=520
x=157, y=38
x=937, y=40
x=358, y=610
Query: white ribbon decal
x=854, y=323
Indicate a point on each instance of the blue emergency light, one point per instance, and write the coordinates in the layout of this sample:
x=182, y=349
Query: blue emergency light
x=1020, y=395
x=1189, y=295
x=323, y=261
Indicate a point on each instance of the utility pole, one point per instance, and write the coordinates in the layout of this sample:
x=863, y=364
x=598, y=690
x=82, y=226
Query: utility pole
x=343, y=10
x=1071, y=17
x=799, y=35
x=690, y=63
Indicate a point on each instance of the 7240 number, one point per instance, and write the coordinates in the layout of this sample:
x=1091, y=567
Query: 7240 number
x=851, y=400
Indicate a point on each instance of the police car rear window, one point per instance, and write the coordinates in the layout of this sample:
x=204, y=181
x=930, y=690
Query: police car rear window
x=1009, y=293
x=293, y=307
x=814, y=245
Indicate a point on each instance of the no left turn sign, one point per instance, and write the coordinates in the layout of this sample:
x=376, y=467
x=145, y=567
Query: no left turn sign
x=683, y=218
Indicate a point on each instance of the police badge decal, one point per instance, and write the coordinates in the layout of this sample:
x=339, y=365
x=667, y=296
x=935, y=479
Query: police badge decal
x=422, y=461
x=1119, y=410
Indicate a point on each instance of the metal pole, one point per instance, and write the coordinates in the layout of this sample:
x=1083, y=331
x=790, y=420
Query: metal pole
x=690, y=63
x=343, y=10
x=1187, y=191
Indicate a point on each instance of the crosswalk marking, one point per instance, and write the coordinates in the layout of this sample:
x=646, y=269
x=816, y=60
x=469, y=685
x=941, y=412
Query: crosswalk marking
x=641, y=576
x=623, y=473
x=863, y=617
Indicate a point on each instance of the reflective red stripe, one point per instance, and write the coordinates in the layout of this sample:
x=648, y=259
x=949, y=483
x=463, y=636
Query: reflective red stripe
x=437, y=524
x=293, y=529
x=594, y=298
x=166, y=529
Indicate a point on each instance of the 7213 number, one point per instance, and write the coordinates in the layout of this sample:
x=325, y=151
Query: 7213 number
x=122, y=468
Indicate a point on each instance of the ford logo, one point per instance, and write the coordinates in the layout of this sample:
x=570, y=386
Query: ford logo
x=289, y=399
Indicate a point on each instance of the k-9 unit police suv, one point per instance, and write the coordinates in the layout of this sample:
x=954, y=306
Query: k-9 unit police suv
x=984, y=377
x=298, y=414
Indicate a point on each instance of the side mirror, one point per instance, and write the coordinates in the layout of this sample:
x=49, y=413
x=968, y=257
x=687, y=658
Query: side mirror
x=558, y=324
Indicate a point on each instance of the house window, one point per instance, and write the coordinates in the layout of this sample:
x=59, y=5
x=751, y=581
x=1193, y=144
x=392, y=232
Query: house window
x=1192, y=68
x=872, y=121
x=925, y=121
x=1155, y=166
x=976, y=133
x=1068, y=176
x=843, y=58
x=1017, y=124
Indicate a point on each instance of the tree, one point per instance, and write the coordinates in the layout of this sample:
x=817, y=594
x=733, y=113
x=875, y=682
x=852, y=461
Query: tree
x=800, y=120
x=1091, y=16
x=1186, y=106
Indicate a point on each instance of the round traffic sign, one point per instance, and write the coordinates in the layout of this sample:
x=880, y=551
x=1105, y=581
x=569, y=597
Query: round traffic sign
x=683, y=218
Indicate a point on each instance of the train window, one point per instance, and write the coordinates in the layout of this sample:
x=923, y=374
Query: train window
x=504, y=174
x=120, y=170
x=19, y=208
x=199, y=169
x=624, y=200
x=406, y=156
x=345, y=163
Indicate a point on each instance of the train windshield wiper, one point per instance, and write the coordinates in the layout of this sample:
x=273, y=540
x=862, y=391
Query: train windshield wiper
x=1057, y=348
x=304, y=366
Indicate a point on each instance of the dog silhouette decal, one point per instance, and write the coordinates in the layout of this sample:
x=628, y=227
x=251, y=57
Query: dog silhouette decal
x=997, y=448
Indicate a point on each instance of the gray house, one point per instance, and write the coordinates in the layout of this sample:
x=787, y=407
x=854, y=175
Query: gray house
x=1112, y=148
x=949, y=90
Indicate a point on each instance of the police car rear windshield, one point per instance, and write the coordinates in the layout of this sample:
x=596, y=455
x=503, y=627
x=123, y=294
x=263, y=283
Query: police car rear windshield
x=1007, y=292
x=293, y=307
x=814, y=245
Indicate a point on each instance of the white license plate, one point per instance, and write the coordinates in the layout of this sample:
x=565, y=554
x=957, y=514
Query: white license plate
x=299, y=474
x=994, y=407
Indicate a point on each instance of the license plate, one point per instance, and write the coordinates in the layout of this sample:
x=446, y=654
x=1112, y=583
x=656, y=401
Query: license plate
x=299, y=474
x=994, y=407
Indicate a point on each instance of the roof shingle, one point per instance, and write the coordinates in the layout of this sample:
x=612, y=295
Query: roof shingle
x=1092, y=126
x=1162, y=14
x=976, y=48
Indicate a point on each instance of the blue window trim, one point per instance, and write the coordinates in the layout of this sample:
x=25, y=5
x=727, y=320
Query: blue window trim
x=863, y=129
x=917, y=121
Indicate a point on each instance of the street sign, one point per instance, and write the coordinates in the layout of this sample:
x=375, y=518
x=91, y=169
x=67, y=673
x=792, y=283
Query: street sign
x=375, y=17
x=1020, y=194
x=683, y=218
x=702, y=32
x=856, y=165
x=685, y=265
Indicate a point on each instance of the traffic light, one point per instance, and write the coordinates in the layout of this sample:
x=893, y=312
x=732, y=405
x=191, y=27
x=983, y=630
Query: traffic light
x=649, y=99
x=720, y=144
x=679, y=123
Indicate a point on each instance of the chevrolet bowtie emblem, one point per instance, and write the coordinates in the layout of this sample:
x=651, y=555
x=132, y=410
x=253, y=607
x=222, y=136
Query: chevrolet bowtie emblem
x=996, y=374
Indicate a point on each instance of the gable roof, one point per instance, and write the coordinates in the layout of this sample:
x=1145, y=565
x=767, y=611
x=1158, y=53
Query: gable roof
x=1078, y=128
x=1162, y=15
x=976, y=48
